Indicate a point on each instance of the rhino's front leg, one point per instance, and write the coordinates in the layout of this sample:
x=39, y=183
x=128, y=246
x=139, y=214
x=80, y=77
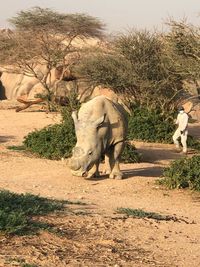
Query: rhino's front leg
x=116, y=173
x=106, y=168
x=114, y=161
x=93, y=172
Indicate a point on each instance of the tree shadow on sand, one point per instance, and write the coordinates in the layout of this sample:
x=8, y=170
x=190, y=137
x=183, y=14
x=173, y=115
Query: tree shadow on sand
x=4, y=139
x=155, y=171
x=154, y=155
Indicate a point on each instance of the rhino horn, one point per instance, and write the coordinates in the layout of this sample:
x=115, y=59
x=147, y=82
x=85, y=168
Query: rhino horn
x=73, y=164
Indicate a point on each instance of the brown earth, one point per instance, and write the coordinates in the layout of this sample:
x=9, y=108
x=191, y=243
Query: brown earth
x=95, y=234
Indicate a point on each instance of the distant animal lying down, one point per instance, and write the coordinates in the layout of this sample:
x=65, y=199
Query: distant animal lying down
x=101, y=127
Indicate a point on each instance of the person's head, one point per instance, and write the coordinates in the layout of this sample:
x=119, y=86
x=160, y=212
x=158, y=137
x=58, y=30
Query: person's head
x=181, y=109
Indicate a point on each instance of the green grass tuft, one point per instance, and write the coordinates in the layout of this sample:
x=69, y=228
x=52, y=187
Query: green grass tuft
x=138, y=213
x=17, y=148
x=17, y=211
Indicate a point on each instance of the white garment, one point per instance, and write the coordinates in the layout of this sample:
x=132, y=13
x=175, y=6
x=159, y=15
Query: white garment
x=182, y=122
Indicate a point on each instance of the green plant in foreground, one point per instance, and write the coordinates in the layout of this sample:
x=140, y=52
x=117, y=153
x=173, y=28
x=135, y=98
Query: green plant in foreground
x=183, y=173
x=138, y=213
x=17, y=211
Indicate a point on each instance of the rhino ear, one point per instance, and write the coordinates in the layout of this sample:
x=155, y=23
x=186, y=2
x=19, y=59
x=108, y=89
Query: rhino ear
x=75, y=117
x=100, y=121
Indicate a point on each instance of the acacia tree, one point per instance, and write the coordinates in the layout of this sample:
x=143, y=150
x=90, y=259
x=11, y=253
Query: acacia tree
x=43, y=37
x=140, y=67
x=184, y=42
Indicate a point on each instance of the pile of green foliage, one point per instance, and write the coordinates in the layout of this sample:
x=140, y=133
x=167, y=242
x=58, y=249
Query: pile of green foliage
x=53, y=142
x=182, y=173
x=150, y=125
x=17, y=211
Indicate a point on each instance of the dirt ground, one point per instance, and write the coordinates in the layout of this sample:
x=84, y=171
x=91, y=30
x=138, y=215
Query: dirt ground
x=95, y=234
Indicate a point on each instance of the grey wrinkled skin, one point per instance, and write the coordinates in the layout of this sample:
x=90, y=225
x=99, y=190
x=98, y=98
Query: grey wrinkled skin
x=101, y=128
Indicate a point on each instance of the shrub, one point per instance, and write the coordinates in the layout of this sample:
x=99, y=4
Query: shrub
x=56, y=141
x=53, y=142
x=130, y=154
x=182, y=173
x=193, y=143
x=150, y=126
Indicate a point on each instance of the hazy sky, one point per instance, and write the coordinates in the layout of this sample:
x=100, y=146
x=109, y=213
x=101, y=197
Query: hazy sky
x=118, y=15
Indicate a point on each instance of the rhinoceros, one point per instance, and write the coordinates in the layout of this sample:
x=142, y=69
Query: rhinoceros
x=101, y=127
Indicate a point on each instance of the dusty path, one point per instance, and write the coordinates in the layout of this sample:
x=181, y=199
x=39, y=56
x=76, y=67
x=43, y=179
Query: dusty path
x=165, y=243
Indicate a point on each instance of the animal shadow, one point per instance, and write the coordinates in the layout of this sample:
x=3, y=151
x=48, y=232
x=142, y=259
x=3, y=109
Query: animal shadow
x=155, y=171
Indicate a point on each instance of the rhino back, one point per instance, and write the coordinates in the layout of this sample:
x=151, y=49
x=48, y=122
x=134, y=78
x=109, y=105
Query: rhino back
x=115, y=123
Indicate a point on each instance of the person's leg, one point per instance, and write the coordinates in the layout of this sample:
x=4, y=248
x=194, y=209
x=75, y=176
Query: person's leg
x=175, y=137
x=184, y=141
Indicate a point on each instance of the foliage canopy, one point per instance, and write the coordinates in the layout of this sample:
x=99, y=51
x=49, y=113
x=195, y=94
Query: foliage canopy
x=184, y=43
x=46, y=20
x=42, y=40
x=138, y=66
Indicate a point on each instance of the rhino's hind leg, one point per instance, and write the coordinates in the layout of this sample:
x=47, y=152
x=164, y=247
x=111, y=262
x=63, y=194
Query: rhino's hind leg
x=114, y=156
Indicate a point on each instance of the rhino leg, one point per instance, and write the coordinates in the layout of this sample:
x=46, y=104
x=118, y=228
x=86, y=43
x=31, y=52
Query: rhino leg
x=107, y=168
x=116, y=173
x=114, y=157
x=93, y=172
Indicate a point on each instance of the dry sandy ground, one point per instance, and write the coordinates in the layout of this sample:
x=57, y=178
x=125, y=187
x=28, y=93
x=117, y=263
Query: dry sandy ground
x=101, y=237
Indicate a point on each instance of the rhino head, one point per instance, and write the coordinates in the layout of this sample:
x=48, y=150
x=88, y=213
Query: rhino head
x=88, y=149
